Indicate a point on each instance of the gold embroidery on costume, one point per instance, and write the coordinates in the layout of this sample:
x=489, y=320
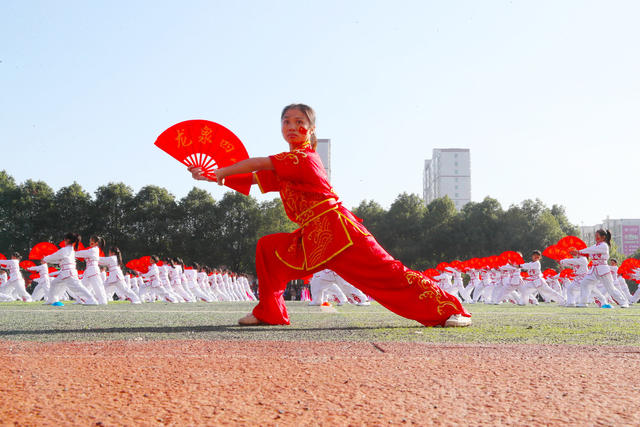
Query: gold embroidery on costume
x=319, y=233
x=294, y=156
x=430, y=291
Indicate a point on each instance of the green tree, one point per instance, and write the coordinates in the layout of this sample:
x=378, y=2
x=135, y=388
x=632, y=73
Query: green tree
x=8, y=195
x=151, y=220
x=435, y=241
x=238, y=231
x=403, y=223
x=560, y=214
x=109, y=216
x=33, y=216
x=72, y=208
x=196, y=236
x=372, y=215
x=481, y=223
x=273, y=219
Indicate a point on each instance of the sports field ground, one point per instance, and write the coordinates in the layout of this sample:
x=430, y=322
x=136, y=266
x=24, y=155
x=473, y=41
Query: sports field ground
x=189, y=364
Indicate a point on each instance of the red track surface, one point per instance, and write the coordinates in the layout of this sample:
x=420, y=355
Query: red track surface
x=310, y=383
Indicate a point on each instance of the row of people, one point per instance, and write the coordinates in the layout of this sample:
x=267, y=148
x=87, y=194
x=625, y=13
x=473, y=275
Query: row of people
x=103, y=278
x=598, y=283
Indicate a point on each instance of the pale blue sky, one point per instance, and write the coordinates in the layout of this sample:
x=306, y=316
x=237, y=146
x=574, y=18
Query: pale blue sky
x=546, y=94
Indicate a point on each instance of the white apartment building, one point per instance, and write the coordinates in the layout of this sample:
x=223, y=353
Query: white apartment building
x=625, y=233
x=448, y=173
x=324, y=151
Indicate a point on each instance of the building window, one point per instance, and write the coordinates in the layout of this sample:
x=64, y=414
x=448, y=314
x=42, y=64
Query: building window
x=455, y=164
x=456, y=187
x=456, y=171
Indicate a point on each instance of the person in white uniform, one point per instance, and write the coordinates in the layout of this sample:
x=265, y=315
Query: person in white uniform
x=536, y=283
x=115, y=280
x=67, y=277
x=600, y=272
x=619, y=281
x=92, y=279
x=323, y=284
x=41, y=291
x=15, y=282
x=191, y=279
x=580, y=267
x=156, y=287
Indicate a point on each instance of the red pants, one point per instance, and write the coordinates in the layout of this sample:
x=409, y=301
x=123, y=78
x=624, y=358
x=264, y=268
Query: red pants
x=368, y=267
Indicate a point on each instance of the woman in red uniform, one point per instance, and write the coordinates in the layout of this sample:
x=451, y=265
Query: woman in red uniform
x=330, y=236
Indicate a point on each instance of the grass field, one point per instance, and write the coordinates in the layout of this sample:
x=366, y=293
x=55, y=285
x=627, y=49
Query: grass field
x=543, y=324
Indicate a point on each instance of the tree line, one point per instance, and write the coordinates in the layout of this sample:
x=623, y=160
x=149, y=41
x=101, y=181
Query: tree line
x=225, y=232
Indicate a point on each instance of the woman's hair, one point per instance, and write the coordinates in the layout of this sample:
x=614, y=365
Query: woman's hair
x=606, y=235
x=154, y=258
x=536, y=252
x=116, y=252
x=179, y=261
x=73, y=239
x=16, y=255
x=311, y=116
x=100, y=240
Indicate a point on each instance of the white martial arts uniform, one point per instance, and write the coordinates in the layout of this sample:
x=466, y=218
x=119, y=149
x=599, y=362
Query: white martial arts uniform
x=41, y=290
x=601, y=273
x=92, y=279
x=67, y=278
x=327, y=283
x=156, y=289
x=116, y=281
x=580, y=266
x=175, y=278
x=535, y=282
x=191, y=278
x=16, y=281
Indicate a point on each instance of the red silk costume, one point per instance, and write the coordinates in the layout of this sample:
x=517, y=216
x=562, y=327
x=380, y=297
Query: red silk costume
x=330, y=236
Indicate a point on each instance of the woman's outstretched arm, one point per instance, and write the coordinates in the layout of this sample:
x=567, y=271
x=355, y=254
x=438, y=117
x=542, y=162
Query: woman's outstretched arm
x=244, y=166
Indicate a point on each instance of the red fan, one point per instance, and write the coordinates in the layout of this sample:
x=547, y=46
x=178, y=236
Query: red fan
x=431, y=272
x=549, y=272
x=42, y=249
x=2, y=256
x=26, y=264
x=138, y=265
x=485, y=263
x=513, y=257
x=628, y=266
x=556, y=253
x=442, y=266
x=208, y=146
x=457, y=264
x=574, y=242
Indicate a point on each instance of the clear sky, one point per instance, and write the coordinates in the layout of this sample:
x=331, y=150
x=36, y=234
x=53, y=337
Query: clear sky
x=545, y=94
